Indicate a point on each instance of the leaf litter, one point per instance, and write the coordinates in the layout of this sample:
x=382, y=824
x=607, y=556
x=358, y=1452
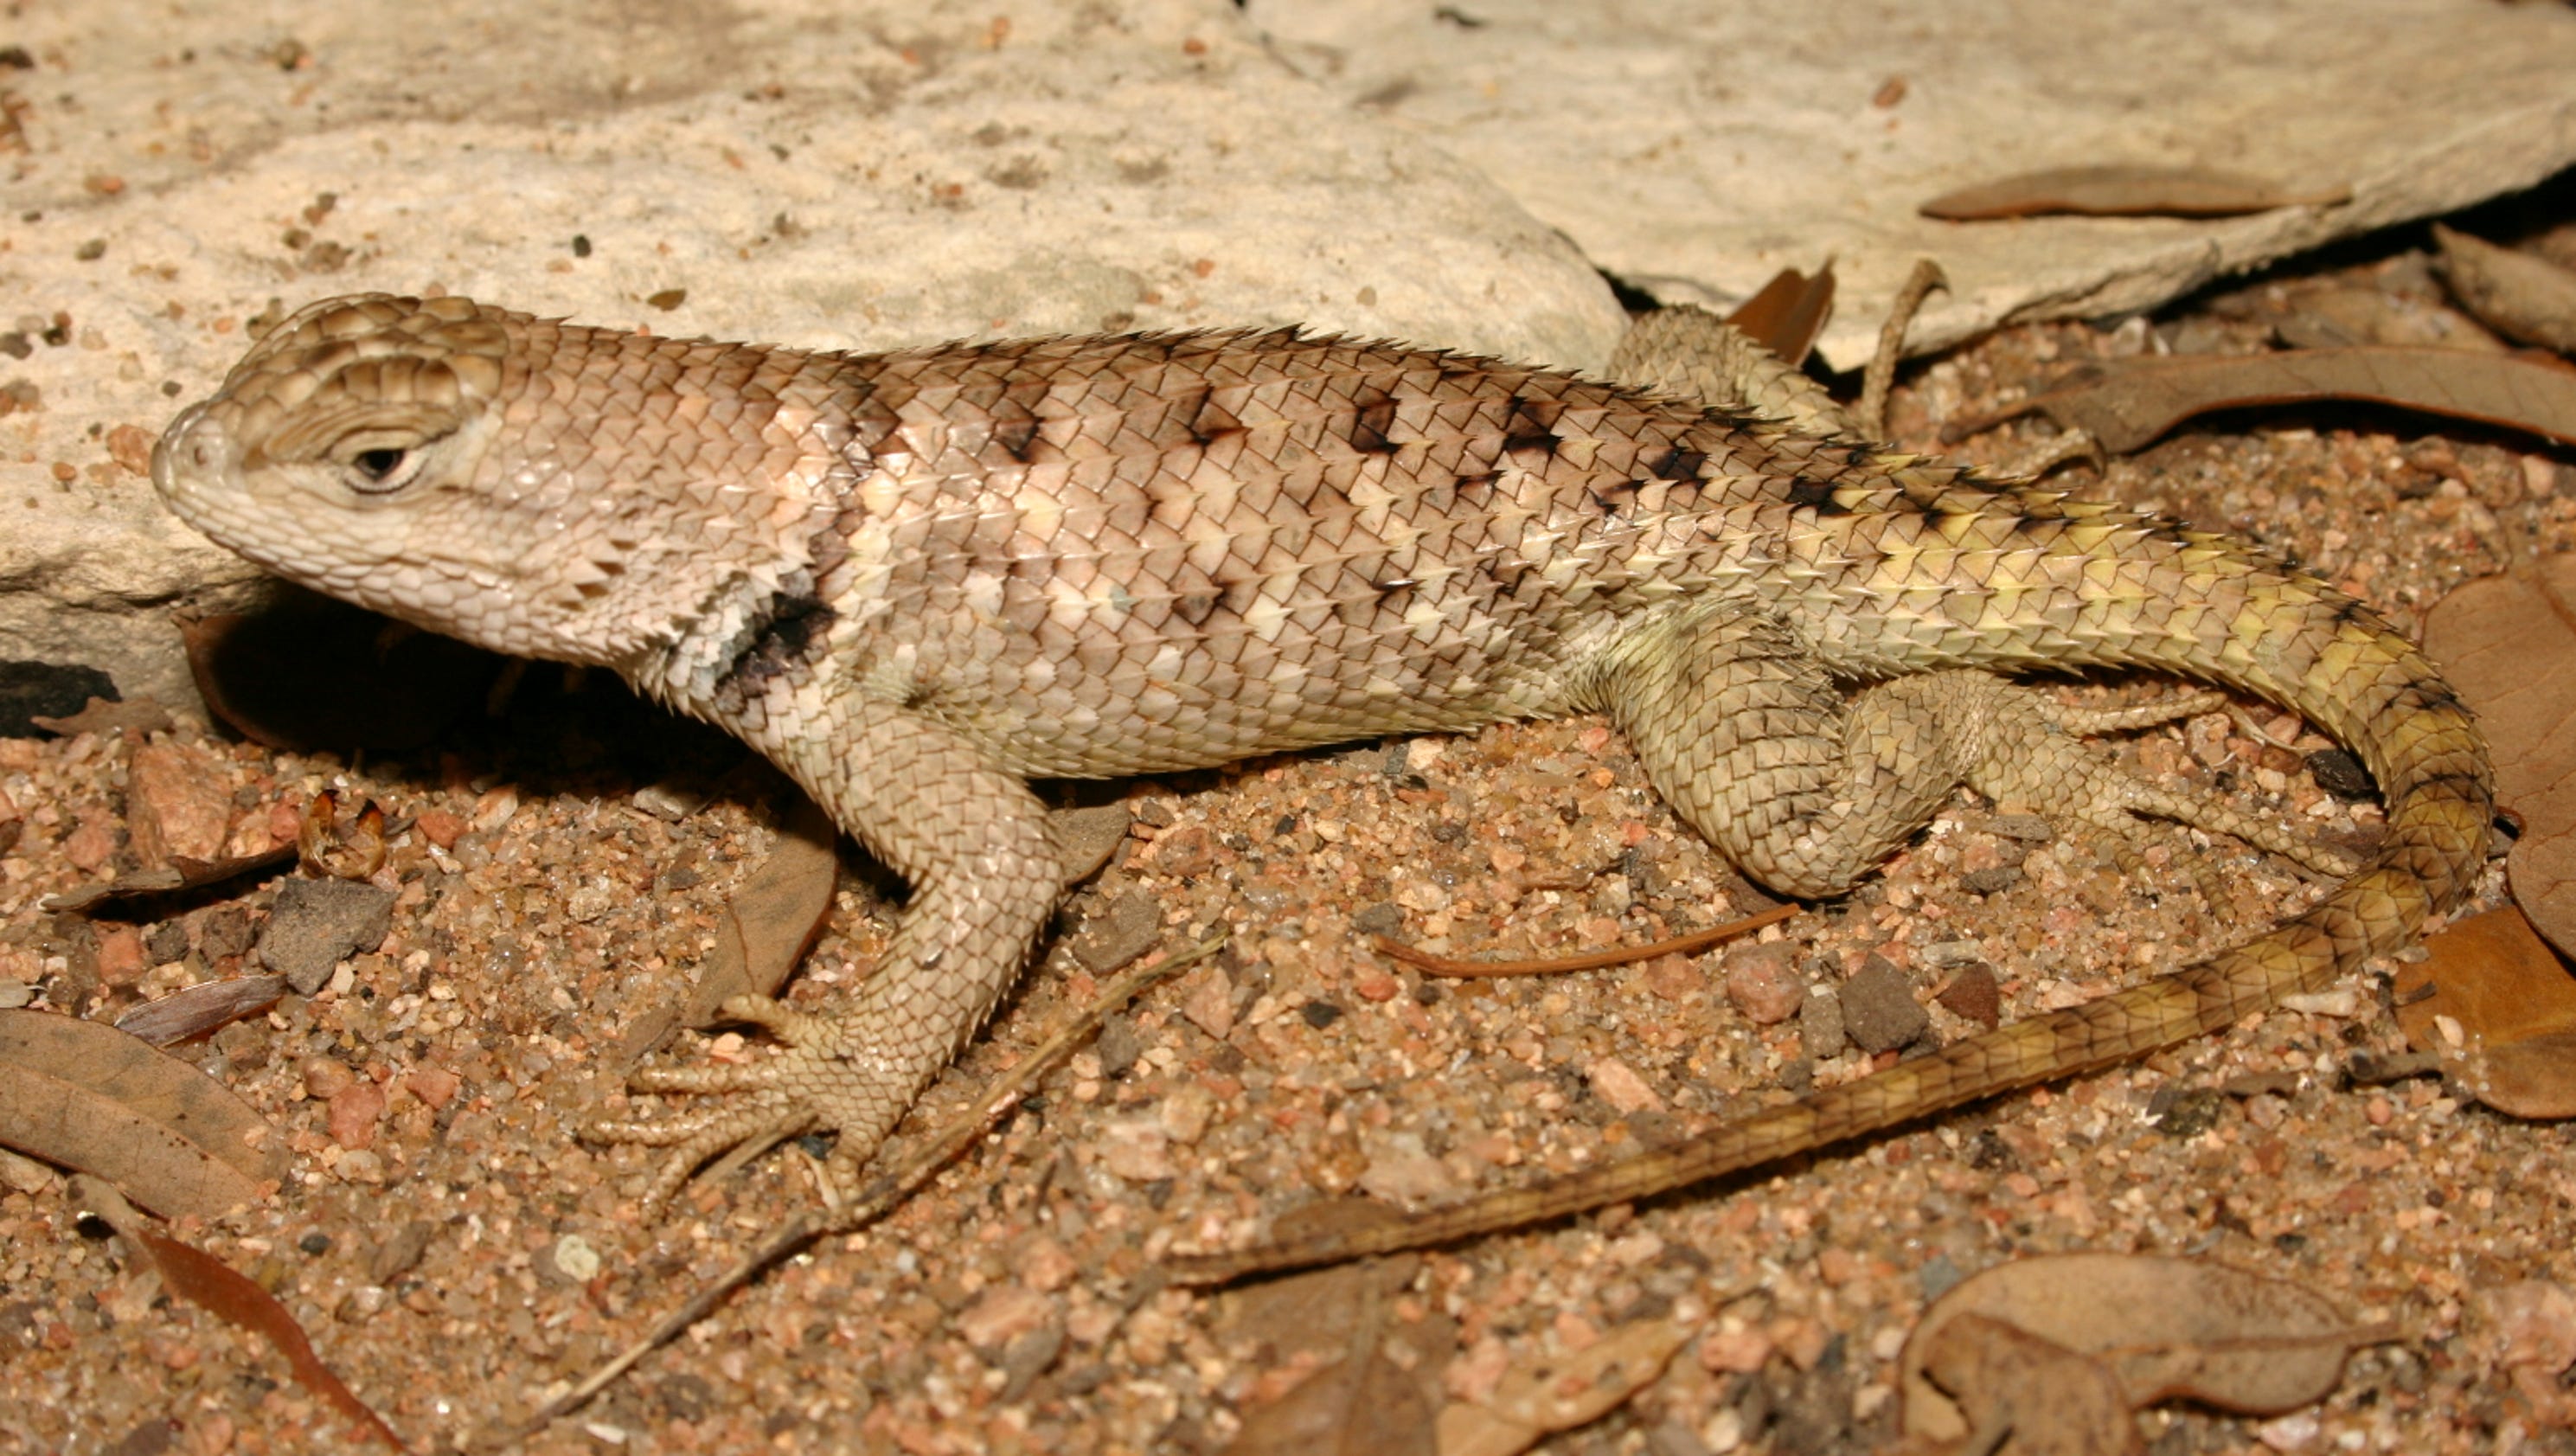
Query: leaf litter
x=85, y=1095
x=2127, y=189
x=2037, y=1354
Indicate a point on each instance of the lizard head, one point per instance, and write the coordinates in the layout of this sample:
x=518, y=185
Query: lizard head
x=586, y=495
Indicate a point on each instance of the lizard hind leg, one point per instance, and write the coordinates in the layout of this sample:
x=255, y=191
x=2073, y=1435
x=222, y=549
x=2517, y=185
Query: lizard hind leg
x=1807, y=788
x=1749, y=738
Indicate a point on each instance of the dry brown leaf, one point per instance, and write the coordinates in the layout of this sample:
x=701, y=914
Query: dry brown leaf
x=1786, y=314
x=205, y=1007
x=2127, y=403
x=340, y=846
x=1536, y=1401
x=1313, y=1312
x=2164, y=1327
x=774, y=918
x=2025, y=1396
x=2525, y=298
x=181, y=873
x=1358, y=1406
x=2508, y=646
x=87, y=1096
x=2530, y=1330
x=106, y=715
x=214, y=1286
x=2513, y=1006
x=2329, y=313
x=2126, y=190
x=1334, y=1215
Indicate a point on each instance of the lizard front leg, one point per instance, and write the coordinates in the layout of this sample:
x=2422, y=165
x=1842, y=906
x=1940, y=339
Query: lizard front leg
x=974, y=844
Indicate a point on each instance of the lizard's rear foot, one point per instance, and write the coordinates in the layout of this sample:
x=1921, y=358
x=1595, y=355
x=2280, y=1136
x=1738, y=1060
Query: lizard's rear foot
x=2030, y=755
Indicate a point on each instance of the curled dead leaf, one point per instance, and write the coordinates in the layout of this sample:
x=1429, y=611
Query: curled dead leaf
x=2127, y=403
x=1786, y=315
x=2025, y=1395
x=2160, y=1327
x=2523, y=297
x=110, y=715
x=206, y=1007
x=1358, y=1406
x=2507, y=644
x=2499, y=1006
x=1537, y=1400
x=90, y=1097
x=340, y=846
x=1313, y=1312
x=2121, y=189
x=179, y=875
x=776, y=915
x=219, y=1289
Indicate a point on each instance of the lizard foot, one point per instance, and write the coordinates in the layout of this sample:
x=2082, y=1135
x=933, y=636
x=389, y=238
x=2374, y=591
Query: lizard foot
x=2032, y=757
x=784, y=1095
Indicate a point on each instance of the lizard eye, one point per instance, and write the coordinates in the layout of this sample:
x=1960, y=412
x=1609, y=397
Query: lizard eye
x=380, y=470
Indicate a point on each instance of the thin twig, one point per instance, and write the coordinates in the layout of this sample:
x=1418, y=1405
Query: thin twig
x=1697, y=940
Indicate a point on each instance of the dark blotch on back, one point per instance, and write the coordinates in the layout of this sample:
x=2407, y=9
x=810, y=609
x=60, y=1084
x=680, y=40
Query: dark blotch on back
x=1532, y=425
x=1207, y=420
x=2429, y=694
x=1373, y=416
x=1614, y=496
x=1015, y=429
x=1196, y=608
x=1680, y=464
x=1816, y=496
x=872, y=419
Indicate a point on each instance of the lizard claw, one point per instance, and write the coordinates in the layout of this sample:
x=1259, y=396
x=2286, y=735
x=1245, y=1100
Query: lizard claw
x=742, y=1129
x=765, y=1104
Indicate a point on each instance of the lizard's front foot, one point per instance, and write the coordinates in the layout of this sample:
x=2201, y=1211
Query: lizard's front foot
x=815, y=1081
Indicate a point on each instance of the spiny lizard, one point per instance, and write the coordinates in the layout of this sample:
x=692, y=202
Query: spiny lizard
x=915, y=579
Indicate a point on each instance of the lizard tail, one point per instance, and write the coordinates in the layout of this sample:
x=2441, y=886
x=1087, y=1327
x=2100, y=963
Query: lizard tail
x=2277, y=634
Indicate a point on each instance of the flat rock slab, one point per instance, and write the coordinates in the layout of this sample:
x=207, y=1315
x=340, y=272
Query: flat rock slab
x=1694, y=149
x=884, y=176
x=875, y=175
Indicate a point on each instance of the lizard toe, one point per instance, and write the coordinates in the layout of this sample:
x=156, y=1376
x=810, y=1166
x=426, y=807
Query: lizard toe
x=735, y=1130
